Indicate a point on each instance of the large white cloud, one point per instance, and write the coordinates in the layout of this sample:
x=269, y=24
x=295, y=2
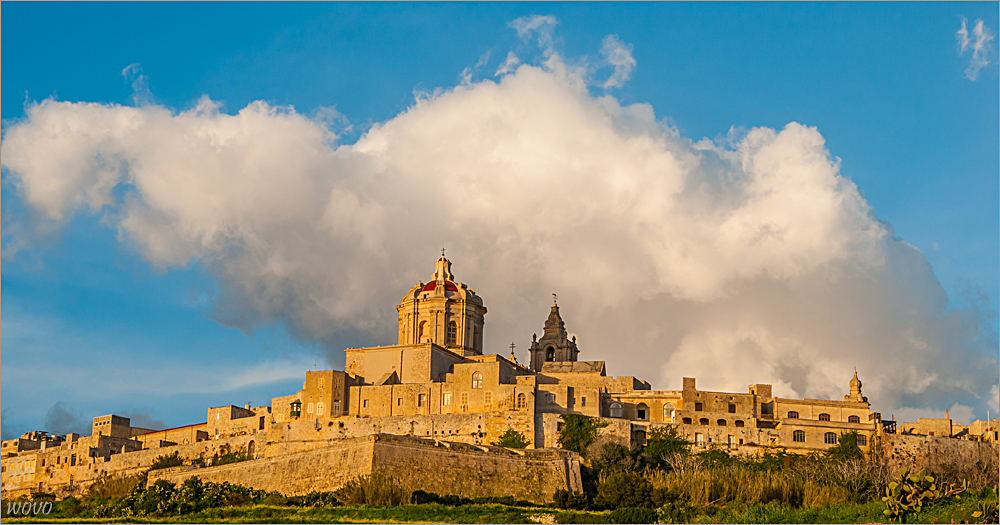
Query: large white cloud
x=745, y=264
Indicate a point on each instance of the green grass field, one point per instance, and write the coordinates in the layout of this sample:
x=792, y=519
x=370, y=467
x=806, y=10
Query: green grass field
x=956, y=511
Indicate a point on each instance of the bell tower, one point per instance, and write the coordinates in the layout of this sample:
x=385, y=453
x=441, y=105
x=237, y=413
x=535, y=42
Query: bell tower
x=554, y=346
x=443, y=312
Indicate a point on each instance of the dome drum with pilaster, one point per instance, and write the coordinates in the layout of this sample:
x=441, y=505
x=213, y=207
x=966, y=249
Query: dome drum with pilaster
x=443, y=312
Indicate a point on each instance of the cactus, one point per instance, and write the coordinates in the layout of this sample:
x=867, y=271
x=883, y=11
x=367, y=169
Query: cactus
x=911, y=493
x=988, y=512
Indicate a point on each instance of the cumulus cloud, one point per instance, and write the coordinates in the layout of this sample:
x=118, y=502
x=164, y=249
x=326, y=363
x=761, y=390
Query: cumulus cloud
x=617, y=54
x=61, y=419
x=539, y=27
x=979, y=44
x=750, y=262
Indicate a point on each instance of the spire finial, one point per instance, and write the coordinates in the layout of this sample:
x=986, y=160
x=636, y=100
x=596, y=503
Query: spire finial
x=554, y=298
x=442, y=252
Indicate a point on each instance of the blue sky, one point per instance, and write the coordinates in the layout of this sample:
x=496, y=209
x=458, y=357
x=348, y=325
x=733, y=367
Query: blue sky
x=97, y=322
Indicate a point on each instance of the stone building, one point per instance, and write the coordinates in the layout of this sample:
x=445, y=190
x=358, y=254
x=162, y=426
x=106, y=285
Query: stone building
x=437, y=384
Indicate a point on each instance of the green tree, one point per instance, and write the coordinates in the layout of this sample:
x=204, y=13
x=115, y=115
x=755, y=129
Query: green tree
x=578, y=432
x=664, y=441
x=511, y=439
x=847, y=448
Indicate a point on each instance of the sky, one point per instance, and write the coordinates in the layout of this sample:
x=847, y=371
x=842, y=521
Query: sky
x=200, y=201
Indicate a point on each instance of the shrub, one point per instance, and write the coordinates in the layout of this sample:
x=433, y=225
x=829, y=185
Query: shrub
x=275, y=499
x=578, y=432
x=319, y=499
x=674, y=512
x=632, y=515
x=70, y=506
x=511, y=439
x=375, y=489
x=173, y=460
x=910, y=494
x=663, y=441
x=623, y=489
x=115, y=485
x=565, y=499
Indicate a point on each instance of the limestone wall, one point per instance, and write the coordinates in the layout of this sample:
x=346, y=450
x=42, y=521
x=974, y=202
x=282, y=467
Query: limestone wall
x=441, y=467
x=933, y=452
x=476, y=428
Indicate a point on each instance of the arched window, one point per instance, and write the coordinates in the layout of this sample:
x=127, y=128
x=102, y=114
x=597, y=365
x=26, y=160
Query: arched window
x=522, y=402
x=616, y=410
x=420, y=331
x=739, y=423
x=452, y=332
x=853, y=419
x=550, y=354
x=793, y=414
x=250, y=447
x=703, y=421
x=830, y=438
x=799, y=436
x=686, y=420
x=668, y=412
x=642, y=412
x=824, y=417
x=721, y=422
x=862, y=440
x=477, y=380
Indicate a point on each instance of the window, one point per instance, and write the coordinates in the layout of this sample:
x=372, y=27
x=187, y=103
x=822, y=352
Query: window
x=452, y=332
x=853, y=419
x=296, y=408
x=668, y=412
x=830, y=438
x=465, y=398
x=824, y=417
x=699, y=438
x=322, y=383
x=641, y=411
x=320, y=409
x=550, y=354
x=522, y=402
x=261, y=427
x=583, y=401
x=365, y=403
x=731, y=442
x=477, y=380
x=799, y=436
x=862, y=440
x=616, y=410
x=686, y=421
x=793, y=414
x=421, y=399
x=699, y=406
x=721, y=422
x=739, y=423
x=447, y=399
x=420, y=331
x=703, y=421
x=559, y=426
x=732, y=408
x=310, y=408
x=399, y=401
x=488, y=399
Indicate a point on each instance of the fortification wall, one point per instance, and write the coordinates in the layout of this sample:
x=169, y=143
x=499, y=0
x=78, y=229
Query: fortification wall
x=444, y=468
x=471, y=471
x=287, y=437
x=938, y=454
x=320, y=469
x=65, y=480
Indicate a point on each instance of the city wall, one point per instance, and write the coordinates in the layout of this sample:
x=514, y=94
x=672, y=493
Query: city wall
x=434, y=466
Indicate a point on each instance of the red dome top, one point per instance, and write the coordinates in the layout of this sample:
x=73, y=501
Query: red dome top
x=448, y=286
